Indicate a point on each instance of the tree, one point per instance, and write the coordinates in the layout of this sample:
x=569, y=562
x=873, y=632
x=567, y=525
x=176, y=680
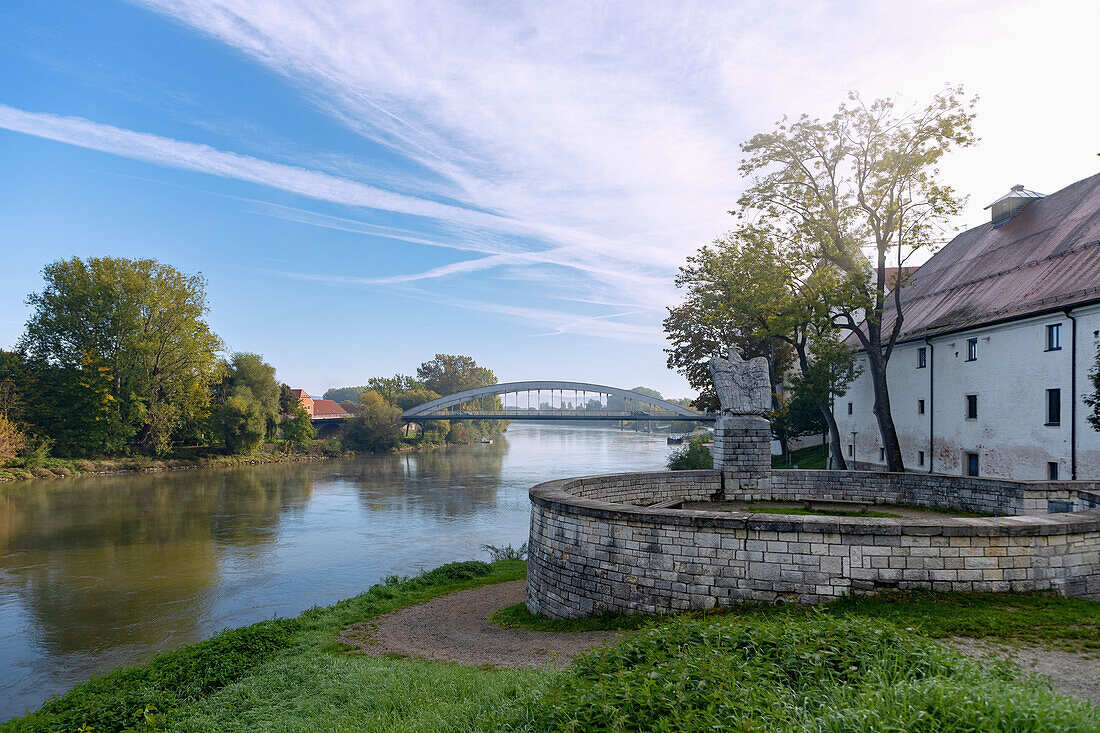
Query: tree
x=247, y=401
x=447, y=374
x=864, y=179
x=1093, y=399
x=250, y=370
x=12, y=440
x=288, y=403
x=143, y=322
x=298, y=428
x=344, y=394
x=377, y=427
x=240, y=420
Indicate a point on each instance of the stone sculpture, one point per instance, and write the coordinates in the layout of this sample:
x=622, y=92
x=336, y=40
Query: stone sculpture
x=743, y=387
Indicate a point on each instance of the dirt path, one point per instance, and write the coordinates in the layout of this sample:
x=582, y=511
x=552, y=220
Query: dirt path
x=454, y=628
x=1076, y=675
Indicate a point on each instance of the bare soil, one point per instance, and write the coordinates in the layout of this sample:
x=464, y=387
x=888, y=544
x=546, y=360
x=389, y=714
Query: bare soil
x=455, y=628
x=1070, y=673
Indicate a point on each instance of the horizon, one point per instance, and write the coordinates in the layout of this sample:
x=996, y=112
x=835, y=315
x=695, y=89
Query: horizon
x=366, y=187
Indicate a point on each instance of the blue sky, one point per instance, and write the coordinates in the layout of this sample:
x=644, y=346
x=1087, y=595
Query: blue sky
x=367, y=184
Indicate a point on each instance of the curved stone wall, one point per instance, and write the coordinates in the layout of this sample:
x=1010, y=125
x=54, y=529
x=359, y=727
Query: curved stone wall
x=597, y=544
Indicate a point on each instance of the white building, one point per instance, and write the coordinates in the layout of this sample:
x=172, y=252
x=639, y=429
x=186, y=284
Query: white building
x=1000, y=332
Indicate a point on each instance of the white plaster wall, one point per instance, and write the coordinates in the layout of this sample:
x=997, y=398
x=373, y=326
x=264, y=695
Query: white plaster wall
x=1010, y=376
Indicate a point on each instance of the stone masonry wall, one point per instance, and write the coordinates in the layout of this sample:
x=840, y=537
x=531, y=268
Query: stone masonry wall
x=742, y=445
x=588, y=554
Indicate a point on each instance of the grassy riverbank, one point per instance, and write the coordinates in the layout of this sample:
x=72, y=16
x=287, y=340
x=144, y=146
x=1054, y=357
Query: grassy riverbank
x=69, y=467
x=861, y=664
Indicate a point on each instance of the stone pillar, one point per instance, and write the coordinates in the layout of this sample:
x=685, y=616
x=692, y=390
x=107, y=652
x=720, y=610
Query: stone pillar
x=742, y=451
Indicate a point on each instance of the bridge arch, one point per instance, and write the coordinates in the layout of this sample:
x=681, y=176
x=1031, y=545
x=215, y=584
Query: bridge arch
x=432, y=410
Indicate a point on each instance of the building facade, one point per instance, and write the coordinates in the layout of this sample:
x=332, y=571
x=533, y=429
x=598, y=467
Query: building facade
x=1000, y=333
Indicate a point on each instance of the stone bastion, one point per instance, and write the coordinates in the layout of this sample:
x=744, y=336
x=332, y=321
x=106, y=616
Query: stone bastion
x=605, y=543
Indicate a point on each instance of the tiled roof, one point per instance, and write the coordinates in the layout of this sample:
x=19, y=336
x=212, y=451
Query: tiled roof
x=1047, y=257
x=327, y=408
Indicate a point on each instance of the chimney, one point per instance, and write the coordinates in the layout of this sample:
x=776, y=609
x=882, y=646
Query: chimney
x=1009, y=205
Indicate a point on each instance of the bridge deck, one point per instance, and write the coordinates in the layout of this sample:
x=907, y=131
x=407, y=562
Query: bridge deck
x=604, y=415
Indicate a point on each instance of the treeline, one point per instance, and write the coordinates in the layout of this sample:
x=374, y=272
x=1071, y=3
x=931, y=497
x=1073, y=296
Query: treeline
x=377, y=406
x=117, y=359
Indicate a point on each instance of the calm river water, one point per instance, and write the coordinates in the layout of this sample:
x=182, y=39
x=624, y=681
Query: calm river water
x=102, y=571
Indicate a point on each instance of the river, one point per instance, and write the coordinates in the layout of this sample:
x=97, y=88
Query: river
x=101, y=571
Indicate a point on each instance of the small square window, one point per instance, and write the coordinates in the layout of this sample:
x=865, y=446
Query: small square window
x=849, y=408
x=920, y=407
x=1052, y=471
x=972, y=349
x=971, y=464
x=1054, y=407
x=1054, y=337
x=922, y=357
x=972, y=407
x=849, y=450
x=920, y=458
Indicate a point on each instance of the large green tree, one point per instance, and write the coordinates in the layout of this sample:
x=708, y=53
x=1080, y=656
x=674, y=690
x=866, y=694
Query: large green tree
x=140, y=323
x=447, y=374
x=377, y=427
x=862, y=190
x=247, y=403
x=758, y=284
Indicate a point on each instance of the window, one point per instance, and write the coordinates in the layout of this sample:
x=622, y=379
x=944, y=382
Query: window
x=971, y=464
x=1052, y=471
x=972, y=349
x=922, y=357
x=920, y=407
x=882, y=454
x=1054, y=337
x=1054, y=407
x=849, y=450
x=849, y=408
x=920, y=458
x=972, y=407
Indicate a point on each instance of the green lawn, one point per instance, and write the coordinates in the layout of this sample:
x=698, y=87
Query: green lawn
x=860, y=664
x=809, y=458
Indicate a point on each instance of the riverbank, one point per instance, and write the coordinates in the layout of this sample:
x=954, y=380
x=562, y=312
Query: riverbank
x=858, y=664
x=76, y=467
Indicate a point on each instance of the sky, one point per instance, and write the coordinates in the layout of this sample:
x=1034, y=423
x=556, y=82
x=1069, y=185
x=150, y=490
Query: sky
x=365, y=185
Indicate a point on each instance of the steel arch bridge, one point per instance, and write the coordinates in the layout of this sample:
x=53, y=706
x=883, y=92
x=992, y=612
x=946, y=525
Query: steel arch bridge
x=451, y=406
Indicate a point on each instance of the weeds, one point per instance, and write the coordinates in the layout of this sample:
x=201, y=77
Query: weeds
x=507, y=552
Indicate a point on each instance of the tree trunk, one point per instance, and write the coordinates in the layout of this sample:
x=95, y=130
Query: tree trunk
x=890, y=445
x=835, y=452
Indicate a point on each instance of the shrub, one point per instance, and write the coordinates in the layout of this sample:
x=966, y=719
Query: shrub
x=693, y=456
x=507, y=552
x=12, y=440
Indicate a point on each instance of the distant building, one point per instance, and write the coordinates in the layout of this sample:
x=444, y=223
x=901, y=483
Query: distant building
x=304, y=400
x=1000, y=332
x=319, y=409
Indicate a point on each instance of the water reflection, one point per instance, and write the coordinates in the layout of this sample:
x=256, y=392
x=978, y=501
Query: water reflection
x=105, y=570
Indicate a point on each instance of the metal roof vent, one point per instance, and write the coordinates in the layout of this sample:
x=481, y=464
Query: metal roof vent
x=1009, y=205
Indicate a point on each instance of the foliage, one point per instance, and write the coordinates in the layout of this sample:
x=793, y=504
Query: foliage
x=297, y=427
x=1093, y=398
x=140, y=325
x=447, y=374
x=518, y=617
x=693, y=456
x=811, y=458
x=864, y=179
x=344, y=394
x=506, y=552
x=240, y=420
x=789, y=674
x=377, y=427
x=12, y=440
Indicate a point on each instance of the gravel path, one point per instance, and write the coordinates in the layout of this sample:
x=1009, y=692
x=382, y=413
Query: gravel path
x=1076, y=675
x=454, y=628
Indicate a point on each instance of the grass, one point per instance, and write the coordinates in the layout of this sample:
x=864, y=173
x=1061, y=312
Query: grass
x=518, y=617
x=766, y=508
x=812, y=458
x=289, y=674
x=807, y=673
x=859, y=664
